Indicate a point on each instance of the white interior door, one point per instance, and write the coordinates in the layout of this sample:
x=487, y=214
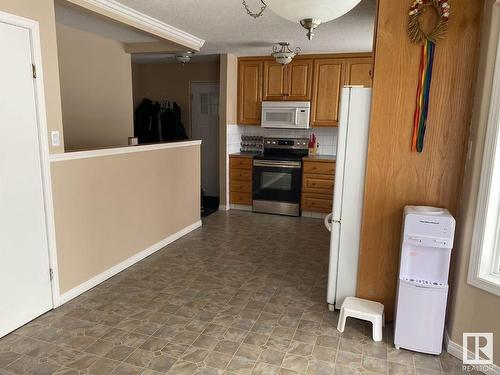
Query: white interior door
x=25, y=289
x=205, y=126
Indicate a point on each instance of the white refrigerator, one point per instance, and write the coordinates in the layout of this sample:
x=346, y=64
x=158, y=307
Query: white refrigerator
x=348, y=194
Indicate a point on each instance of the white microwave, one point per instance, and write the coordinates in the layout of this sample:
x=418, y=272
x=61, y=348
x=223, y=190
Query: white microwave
x=286, y=115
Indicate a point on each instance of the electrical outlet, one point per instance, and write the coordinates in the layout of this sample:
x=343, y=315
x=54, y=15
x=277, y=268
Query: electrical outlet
x=55, y=138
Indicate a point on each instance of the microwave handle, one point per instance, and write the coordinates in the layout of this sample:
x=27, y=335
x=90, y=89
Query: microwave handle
x=296, y=116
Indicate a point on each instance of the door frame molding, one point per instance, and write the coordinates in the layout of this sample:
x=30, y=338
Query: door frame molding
x=36, y=55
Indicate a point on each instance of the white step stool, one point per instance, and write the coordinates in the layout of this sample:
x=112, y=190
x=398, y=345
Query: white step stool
x=364, y=310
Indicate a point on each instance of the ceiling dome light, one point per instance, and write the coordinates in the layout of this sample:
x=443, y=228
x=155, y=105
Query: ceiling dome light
x=184, y=57
x=309, y=13
x=283, y=54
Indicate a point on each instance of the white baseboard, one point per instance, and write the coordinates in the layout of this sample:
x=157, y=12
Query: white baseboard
x=241, y=207
x=456, y=351
x=223, y=207
x=96, y=280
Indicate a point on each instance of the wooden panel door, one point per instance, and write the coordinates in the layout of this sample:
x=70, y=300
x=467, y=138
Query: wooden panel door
x=274, y=84
x=249, y=92
x=358, y=71
x=328, y=81
x=299, y=80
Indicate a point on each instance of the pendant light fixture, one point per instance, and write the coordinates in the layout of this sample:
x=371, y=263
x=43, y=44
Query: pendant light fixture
x=309, y=13
x=283, y=54
x=184, y=57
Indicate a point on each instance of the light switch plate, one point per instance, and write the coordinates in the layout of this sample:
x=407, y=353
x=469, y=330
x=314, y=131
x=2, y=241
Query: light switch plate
x=55, y=138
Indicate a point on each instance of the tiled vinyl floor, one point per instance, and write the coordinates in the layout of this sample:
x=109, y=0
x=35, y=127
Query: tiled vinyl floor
x=243, y=294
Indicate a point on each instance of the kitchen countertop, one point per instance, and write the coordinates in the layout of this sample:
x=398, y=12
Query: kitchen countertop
x=325, y=158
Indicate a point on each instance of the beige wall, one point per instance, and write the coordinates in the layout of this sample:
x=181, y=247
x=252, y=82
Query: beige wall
x=110, y=208
x=96, y=90
x=170, y=81
x=232, y=89
x=228, y=92
x=43, y=12
x=472, y=309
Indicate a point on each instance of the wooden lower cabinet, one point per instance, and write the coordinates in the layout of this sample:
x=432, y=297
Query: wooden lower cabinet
x=316, y=203
x=317, y=186
x=317, y=183
x=241, y=198
x=240, y=182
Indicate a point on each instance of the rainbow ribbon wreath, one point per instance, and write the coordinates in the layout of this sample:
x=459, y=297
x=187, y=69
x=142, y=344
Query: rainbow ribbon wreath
x=423, y=91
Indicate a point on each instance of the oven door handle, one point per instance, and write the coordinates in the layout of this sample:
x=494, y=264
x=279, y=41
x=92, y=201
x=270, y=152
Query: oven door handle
x=277, y=164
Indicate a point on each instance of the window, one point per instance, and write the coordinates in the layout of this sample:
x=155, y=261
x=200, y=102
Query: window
x=209, y=104
x=484, y=266
x=204, y=103
x=214, y=103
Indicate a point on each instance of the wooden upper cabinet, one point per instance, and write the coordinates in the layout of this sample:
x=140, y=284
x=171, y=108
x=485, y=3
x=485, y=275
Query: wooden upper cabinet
x=288, y=82
x=249, y=92
x=299, y=82
x=328, y=81
x=274, y=86
x=359, y=71
x=315, y=78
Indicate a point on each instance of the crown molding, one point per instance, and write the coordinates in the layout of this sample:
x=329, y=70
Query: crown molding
x=131, y=17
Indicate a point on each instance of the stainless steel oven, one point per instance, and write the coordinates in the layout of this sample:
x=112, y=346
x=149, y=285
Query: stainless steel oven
x=277, y=177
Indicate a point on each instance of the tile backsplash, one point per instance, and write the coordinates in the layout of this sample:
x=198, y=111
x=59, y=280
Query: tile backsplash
x=326, y=137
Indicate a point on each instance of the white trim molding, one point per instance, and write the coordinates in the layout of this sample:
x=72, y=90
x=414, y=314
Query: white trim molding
x=96, y=280
x=119, y=12
x=120, y=150
x=483, y=265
